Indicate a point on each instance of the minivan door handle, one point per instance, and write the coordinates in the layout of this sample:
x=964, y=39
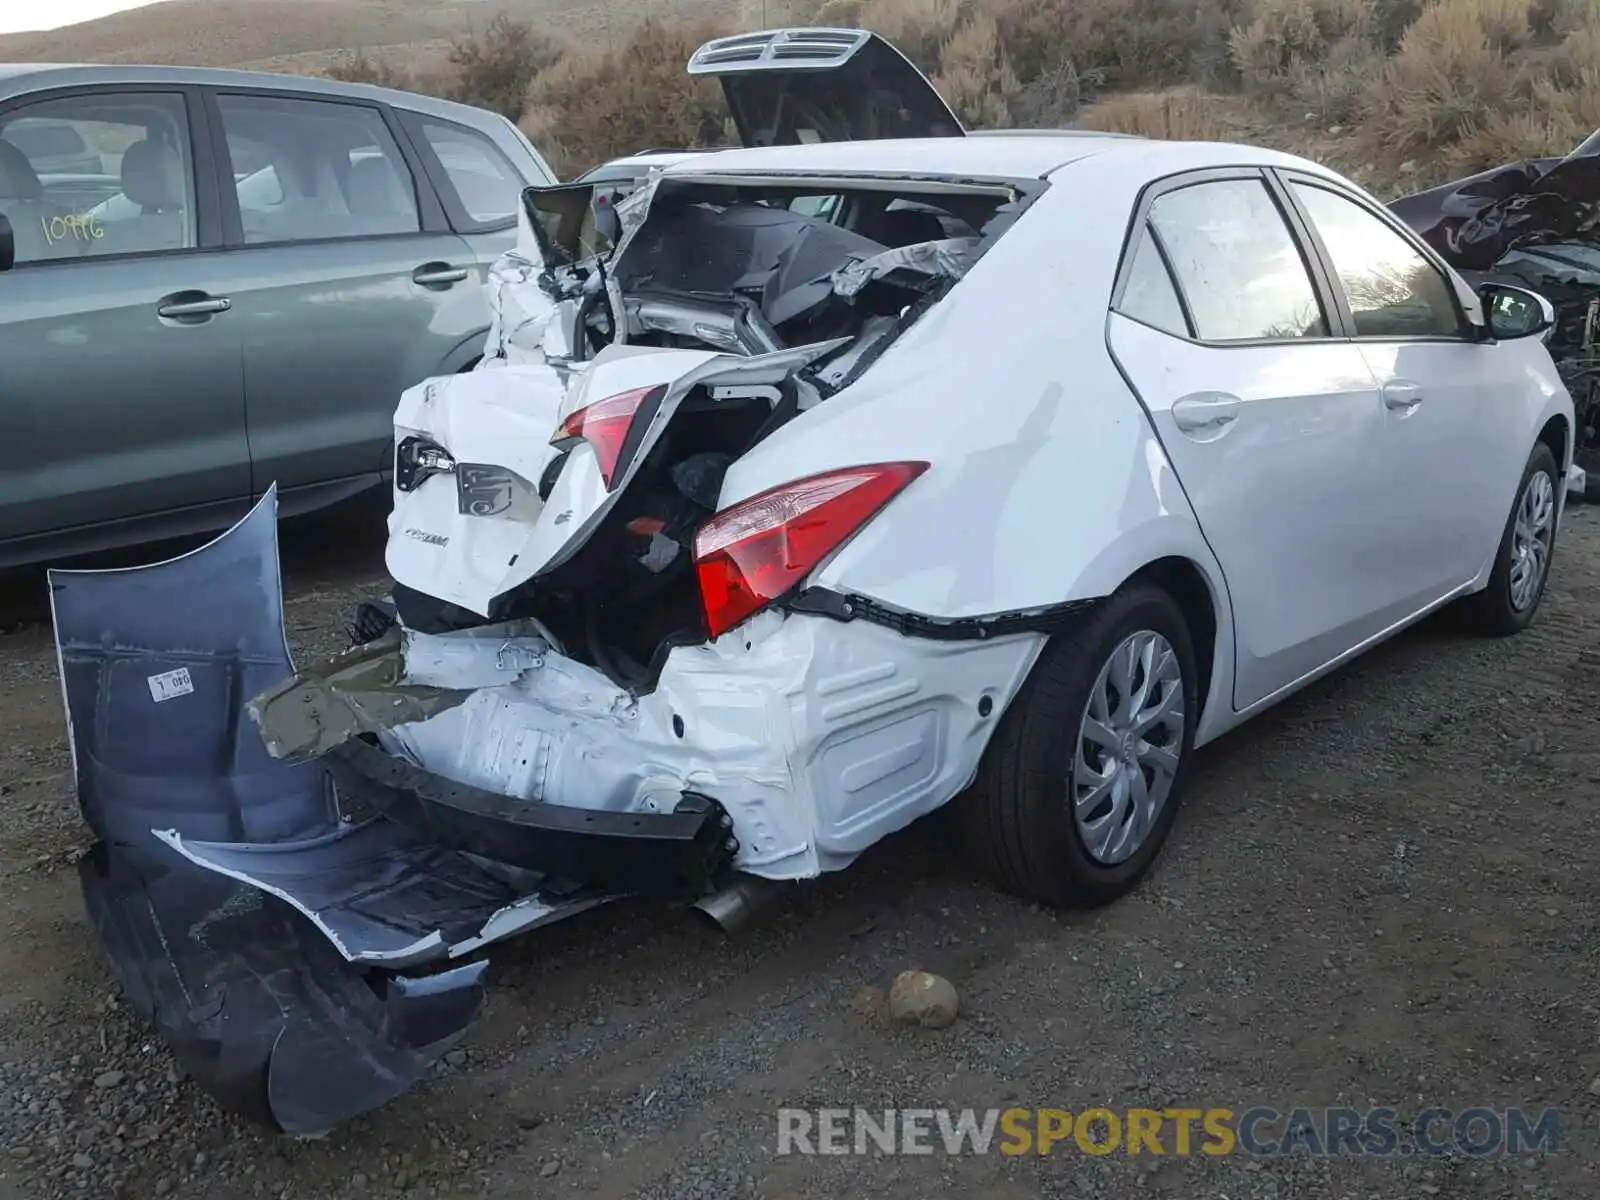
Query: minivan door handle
x=438, y=275
x=1402, y=394
x=191, y=307
x=1205, y=413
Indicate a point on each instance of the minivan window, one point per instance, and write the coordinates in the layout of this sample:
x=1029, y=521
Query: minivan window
x=487, y=185
x=97, y=174
x=1238, y=265
x=1392, y=290
x=313, y=170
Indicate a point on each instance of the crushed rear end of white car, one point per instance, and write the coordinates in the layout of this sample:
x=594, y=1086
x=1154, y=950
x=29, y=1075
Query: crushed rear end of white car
x=601, y=673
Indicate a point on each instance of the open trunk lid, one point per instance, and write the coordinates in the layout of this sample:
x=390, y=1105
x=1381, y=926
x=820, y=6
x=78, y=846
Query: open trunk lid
x=790, y=86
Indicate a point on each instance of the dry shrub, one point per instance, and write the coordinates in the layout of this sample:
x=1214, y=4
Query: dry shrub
x=1558, y=18
x=1286, y=36
x=1052, y=100
x=779, y=14
x=1391, y=19
x=1336, y=89
x=919, y=29
x=358, y=67
x=1454, y=73
x=1170, y=116
x=588, y=109
x=494, y=70
x=975, y=78
x=838, y=14
x=1558, y=114
x=1576, y=60
x=1130, y=43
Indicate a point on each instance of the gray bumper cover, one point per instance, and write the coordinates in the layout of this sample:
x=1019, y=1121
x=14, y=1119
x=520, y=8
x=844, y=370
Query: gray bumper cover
x=298, y=964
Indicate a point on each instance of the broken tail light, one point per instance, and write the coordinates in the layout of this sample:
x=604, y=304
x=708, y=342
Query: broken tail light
x=605, y=425
x=751, y=554
x=417, y=459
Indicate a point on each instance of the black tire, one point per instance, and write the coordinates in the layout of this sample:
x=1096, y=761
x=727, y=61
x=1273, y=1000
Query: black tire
x=1017, y=817
x=428, y=614
x=373, y=619
x=1491, y=612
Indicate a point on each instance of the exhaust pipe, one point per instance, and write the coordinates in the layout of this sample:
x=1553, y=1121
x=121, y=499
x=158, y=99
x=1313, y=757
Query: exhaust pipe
x=731, y=908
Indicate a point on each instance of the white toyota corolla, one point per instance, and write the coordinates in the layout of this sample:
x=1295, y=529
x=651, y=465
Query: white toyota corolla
x=817, y=486
x=1129, y=442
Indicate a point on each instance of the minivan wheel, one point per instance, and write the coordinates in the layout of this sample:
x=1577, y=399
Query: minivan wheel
x=1081, y=783
x=1527, y=546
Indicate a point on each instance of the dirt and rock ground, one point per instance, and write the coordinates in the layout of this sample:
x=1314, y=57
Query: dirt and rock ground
x=1381, y=894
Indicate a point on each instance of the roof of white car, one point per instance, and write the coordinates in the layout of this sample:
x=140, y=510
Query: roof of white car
x=1014, y=157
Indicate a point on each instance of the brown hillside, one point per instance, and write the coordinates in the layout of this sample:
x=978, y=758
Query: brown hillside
x=301, y=34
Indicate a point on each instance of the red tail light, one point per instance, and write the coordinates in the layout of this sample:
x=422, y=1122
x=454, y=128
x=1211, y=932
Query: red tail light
x=754, y=552
x=604, y=425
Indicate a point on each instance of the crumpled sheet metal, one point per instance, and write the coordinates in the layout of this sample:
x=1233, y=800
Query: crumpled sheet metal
x=528, y=323
x=253, y=995
x=295, y=721
x=532, y=320
x=948, y=258
x=1474, y=222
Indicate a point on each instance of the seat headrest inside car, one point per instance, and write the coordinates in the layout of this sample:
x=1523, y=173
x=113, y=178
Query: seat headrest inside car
x=18, y=179
x=152, y=175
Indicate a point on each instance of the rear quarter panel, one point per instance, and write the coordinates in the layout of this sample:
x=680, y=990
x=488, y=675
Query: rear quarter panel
x=1048, y=483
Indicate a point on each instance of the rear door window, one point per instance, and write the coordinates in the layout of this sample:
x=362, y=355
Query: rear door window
x=1150, y=296
x=313, y=170
x=486, y=185
x=1236, y=262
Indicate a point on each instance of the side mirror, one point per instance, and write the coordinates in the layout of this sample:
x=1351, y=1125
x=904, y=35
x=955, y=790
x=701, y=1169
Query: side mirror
x=8, y=245
x=1514, y=312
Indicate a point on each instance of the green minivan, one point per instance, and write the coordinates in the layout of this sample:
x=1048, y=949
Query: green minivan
x=212, y=281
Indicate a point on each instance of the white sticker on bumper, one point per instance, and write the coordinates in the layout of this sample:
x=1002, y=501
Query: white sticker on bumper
x=169, y=685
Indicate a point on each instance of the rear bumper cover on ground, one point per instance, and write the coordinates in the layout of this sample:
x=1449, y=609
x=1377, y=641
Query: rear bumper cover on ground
x=278, y=1013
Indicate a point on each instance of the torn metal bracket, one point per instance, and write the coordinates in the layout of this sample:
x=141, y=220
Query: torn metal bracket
x=824, y=602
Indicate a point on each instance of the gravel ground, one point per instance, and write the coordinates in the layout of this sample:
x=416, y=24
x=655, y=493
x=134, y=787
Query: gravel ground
x=1378, y=894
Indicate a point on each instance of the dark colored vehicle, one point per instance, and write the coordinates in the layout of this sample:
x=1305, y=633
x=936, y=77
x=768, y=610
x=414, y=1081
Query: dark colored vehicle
x=1533, y=224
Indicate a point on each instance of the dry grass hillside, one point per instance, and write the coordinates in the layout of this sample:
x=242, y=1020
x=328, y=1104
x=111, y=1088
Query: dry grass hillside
x=290, y=34
x=1399, y=93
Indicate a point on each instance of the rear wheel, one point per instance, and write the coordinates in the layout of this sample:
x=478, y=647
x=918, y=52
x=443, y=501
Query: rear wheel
x=1081, y=784
x=1522, y=565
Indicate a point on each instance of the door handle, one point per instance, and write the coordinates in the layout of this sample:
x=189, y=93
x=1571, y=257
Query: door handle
x=1209, y=411
x=438, y=274
x=191, y=307
x=1402, y=394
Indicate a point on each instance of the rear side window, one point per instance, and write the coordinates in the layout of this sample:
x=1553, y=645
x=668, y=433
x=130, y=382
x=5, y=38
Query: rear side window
x=313, y=170
x=486, y=185
x=1236, y=262
x=1150, y=295
x=1392, y=290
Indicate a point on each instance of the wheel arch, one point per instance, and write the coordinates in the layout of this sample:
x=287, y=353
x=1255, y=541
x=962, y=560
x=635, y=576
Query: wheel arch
x=1557, y=434
x=1183, y=580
